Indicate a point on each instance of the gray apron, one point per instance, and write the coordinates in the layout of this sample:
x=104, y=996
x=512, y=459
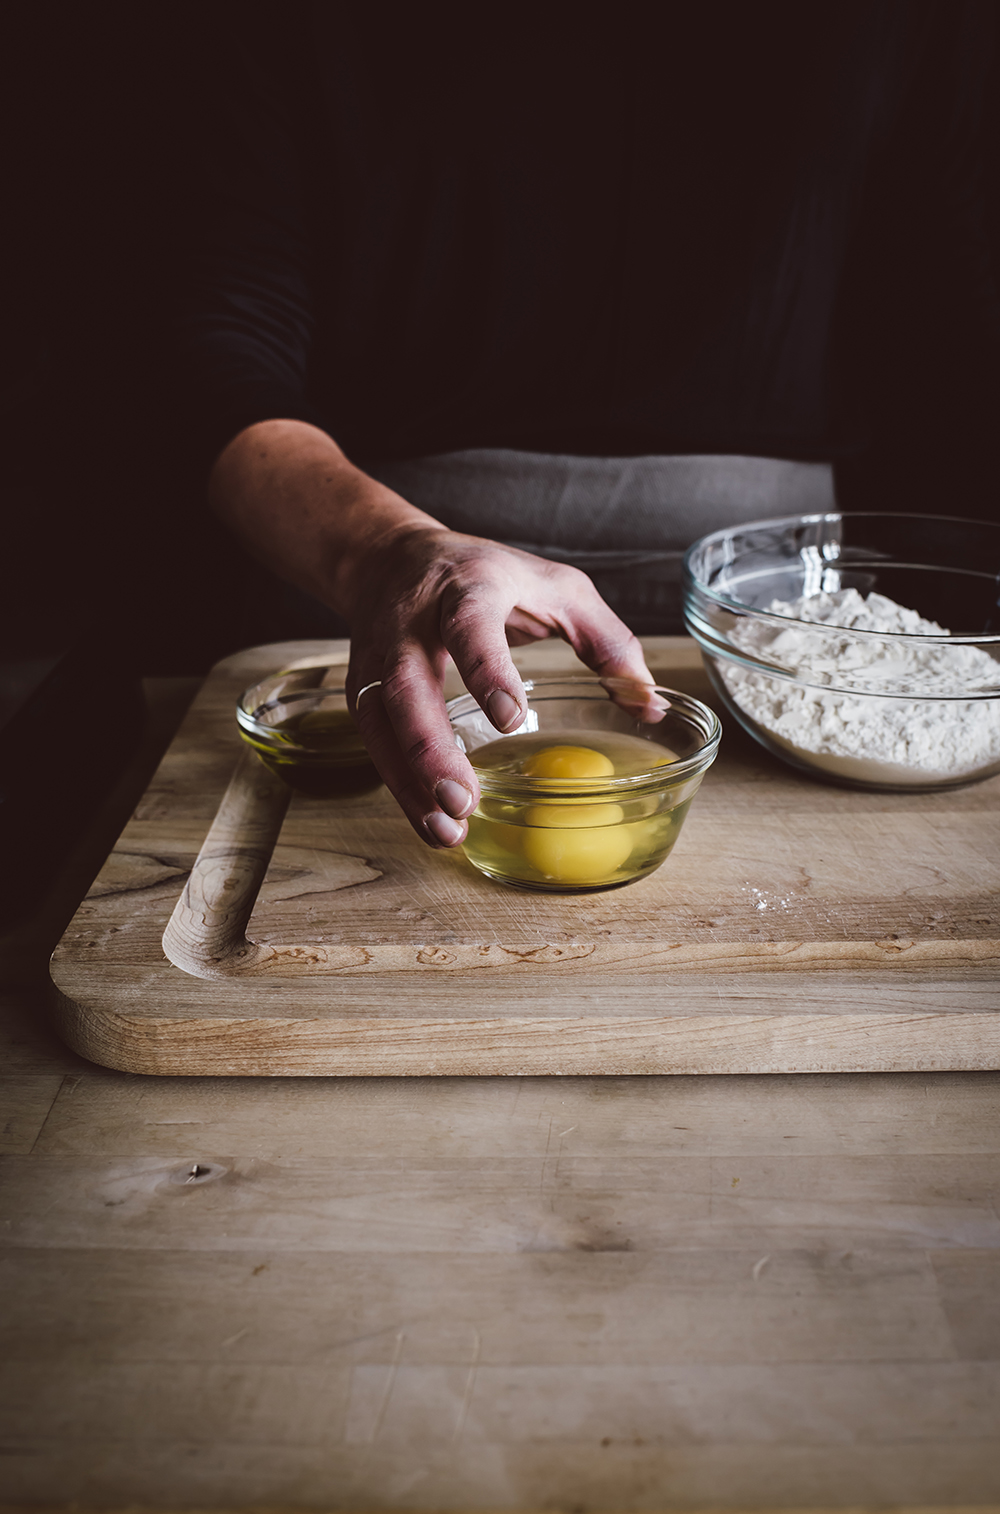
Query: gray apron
x=626, y=521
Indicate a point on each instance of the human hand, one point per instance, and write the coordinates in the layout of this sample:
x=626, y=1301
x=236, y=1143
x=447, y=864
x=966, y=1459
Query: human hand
x=415, y=594
x=426, y=594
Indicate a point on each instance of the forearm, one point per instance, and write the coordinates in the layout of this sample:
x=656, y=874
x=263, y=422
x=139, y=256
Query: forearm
x=298, y=504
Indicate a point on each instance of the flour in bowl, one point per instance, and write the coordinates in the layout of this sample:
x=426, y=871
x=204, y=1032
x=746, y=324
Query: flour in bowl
x=860, y=736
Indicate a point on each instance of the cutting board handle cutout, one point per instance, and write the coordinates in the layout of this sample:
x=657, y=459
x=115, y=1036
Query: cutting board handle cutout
x=206, y=935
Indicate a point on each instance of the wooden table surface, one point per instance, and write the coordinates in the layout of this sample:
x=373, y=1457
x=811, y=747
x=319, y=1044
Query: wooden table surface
x=521, y=1293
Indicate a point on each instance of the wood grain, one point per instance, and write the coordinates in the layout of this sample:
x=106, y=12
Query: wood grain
x=630, y=1294
x=24, y=1105
x=403, y=1293
x=795, y=927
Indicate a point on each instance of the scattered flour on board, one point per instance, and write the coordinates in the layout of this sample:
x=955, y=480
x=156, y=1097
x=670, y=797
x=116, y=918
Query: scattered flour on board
x=857, y=735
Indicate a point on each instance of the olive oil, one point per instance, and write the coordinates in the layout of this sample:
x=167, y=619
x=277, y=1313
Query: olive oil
x=319, y=753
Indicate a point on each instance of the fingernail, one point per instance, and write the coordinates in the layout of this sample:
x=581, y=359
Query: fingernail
x=453, y=797
x=444, y=829
x=503, y=710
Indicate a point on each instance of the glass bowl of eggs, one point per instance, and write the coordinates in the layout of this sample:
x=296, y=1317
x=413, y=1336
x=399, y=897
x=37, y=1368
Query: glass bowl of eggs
x=590, y=792
x=298, y=723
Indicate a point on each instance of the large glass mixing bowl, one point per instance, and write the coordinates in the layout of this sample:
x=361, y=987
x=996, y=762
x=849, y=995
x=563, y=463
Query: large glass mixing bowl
x=869, y=708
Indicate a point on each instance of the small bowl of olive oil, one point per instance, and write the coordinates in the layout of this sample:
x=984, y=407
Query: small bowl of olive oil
x=299, y=725
x=590, y=792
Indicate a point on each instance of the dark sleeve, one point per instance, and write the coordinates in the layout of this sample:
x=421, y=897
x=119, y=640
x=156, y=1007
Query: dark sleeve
x=244, y=304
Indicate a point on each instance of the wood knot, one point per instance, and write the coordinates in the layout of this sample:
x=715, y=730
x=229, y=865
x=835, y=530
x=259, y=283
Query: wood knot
x=571, y=952
x=435, y=956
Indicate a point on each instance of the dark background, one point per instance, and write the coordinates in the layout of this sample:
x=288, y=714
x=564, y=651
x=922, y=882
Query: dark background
x=105, y=533
x=104, y=523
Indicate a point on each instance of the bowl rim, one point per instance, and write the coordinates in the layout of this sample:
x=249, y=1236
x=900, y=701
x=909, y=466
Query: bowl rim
x=666, y=774
x=246, y=717
x=740, y=607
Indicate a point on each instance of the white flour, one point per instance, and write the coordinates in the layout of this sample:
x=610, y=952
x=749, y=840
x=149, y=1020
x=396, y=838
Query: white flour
x=873, y=740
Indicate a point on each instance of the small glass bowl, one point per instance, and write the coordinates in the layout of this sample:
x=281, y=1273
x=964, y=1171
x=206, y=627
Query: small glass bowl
x=872, y=710
x=577, y=834
x=300, y=727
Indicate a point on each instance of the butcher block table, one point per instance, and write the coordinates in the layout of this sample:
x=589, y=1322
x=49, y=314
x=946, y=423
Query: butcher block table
x=505, y=1293
x=797, y=927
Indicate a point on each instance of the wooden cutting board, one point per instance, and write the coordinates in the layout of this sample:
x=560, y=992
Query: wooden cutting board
x=796, y=927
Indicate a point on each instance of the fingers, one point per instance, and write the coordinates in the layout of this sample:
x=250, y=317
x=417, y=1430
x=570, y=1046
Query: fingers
x=406, y=729
x=604, y=642
x=530, y=597
x=473, y=620
x=522, y=628
x=599, y=638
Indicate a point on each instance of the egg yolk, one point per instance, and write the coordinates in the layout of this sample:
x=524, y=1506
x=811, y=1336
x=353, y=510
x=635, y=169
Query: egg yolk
x=577, y=854
x=576, y=843
x=566, y=815
x=568, y=762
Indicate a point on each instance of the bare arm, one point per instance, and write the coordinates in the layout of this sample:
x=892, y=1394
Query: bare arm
x=414, y=593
